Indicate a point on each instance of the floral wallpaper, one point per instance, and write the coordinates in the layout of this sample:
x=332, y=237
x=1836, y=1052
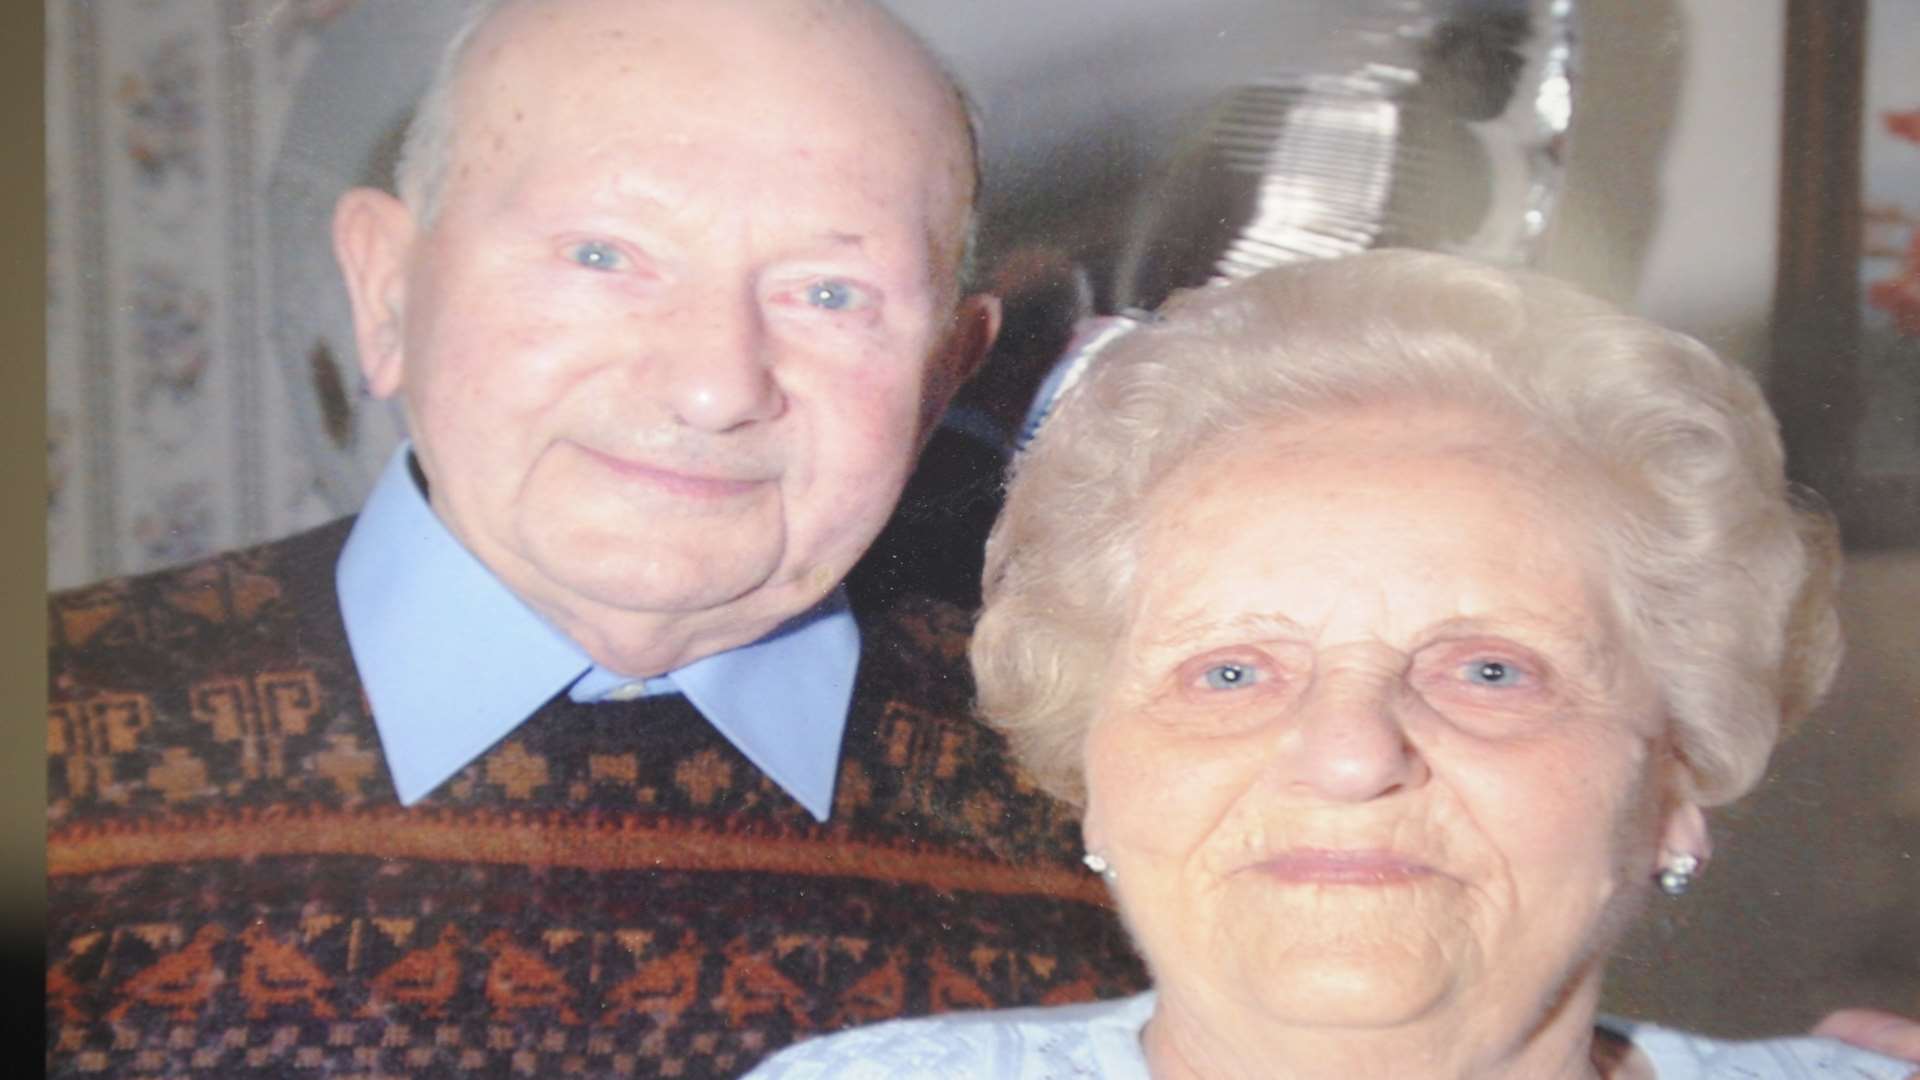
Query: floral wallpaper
x=169, y=429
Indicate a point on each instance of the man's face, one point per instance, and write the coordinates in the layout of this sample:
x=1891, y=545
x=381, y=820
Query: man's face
x=669, y=346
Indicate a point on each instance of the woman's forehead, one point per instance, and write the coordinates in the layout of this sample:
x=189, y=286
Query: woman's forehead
x=1418, y=510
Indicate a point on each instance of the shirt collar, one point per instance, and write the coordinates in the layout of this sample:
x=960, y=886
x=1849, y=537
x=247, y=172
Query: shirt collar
x=452, y=661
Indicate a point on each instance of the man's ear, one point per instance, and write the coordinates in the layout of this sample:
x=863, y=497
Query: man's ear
x=976, y=325
x=969, y=337
x=373, y=233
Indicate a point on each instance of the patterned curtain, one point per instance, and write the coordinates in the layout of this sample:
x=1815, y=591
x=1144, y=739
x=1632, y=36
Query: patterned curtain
x=172, y=428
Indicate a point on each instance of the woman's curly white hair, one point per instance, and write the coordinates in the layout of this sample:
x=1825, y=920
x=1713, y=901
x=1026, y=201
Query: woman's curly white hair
x=1722, y=574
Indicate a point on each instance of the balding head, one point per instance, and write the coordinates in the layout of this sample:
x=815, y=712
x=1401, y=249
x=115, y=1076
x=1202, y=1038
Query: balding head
x=428, y=148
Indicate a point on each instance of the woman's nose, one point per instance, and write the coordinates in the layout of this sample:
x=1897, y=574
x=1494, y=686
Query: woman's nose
x=1348, y=742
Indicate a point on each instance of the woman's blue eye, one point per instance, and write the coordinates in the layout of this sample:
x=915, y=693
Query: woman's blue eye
x=595, y=255
x=833, y=295
x=1491, y=673
x=1229, y=677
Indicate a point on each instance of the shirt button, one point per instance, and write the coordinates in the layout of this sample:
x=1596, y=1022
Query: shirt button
x=627, y=691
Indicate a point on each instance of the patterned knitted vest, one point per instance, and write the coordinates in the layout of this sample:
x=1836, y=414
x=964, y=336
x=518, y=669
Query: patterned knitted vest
x=613, y=890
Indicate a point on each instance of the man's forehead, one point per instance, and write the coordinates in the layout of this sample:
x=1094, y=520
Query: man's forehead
x=681, y=34
x=832, y=191
x=865, y=73
x=742, y=89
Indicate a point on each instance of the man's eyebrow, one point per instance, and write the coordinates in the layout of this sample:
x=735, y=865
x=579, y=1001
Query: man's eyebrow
x=629, y=186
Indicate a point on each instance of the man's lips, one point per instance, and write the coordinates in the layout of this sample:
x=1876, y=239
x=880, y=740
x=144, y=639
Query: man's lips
x=674, y=480
x=1330, y=866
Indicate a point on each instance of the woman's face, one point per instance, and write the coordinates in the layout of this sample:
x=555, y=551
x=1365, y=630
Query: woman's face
x=1373, y=751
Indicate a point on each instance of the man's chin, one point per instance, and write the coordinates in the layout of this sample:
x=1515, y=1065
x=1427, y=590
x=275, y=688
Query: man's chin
x=678, y=593
x=626, y=575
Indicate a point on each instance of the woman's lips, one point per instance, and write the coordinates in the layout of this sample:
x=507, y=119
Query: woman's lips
x=1323, y=866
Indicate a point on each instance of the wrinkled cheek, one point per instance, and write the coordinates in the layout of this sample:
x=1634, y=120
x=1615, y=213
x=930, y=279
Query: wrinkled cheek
x=452, y=405
x=855, y=474
x=1169, y=925
x=892, y=408
x=1575, y=888
x=1157, y=841
x=463, y=429
x=1117, y=785
x=1633, y=850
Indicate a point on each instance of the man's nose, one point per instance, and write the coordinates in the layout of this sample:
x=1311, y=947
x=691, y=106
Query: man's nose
x=1348, y=741
x=715, y=370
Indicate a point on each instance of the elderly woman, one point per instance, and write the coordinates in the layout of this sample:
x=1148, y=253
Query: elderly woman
x=1394, y=619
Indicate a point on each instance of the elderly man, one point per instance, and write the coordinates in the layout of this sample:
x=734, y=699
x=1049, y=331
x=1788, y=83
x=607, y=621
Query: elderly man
x=556, y=759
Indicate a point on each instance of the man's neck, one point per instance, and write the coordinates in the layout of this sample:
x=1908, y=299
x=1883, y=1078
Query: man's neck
x=646, y=645
x=643, y=644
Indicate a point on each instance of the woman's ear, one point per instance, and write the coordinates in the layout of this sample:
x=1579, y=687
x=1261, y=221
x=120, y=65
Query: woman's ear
x=1088, y=839
x=373, y=235
x=1092, y=833
x=1685, y=833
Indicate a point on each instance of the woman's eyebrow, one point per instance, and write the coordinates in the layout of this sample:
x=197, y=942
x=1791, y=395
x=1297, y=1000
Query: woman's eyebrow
x=1508, y=620
x=1200, y=627
x=1555, y=631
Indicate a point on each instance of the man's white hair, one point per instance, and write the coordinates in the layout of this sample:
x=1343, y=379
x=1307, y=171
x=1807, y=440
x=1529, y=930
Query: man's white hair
x=427, y=149
x=1722, y=575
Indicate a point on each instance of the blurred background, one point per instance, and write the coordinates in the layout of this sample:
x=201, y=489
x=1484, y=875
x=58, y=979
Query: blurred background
x=201, y=390
x=23, y=563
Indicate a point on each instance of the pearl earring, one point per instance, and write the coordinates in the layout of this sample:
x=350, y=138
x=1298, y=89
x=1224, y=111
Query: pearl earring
x=1677, y=876
x=1098, y=863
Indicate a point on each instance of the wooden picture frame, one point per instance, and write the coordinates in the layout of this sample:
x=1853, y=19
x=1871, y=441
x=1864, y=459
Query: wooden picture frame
x=1841, y=406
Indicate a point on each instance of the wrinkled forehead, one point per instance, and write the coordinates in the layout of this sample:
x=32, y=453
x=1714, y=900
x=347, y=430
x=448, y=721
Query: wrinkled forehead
x=1384, y=435
x=1462, y=463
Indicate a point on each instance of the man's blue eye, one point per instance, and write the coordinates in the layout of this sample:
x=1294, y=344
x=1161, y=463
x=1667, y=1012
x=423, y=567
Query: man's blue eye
x=1491, y=673
x=596, y=255
x=832, y=295
x=1229, y=677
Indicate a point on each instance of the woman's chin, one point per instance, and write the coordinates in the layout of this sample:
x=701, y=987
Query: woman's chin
x=1353, y=991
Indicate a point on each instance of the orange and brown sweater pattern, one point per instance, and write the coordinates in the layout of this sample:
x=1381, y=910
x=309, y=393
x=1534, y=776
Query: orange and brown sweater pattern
x=613, y=890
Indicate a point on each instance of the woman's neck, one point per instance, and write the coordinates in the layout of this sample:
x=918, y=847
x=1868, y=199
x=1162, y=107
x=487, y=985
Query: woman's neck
x=1563, y=1046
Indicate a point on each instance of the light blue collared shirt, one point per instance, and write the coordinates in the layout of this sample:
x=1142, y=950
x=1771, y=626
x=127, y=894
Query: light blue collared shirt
x=452, y=661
